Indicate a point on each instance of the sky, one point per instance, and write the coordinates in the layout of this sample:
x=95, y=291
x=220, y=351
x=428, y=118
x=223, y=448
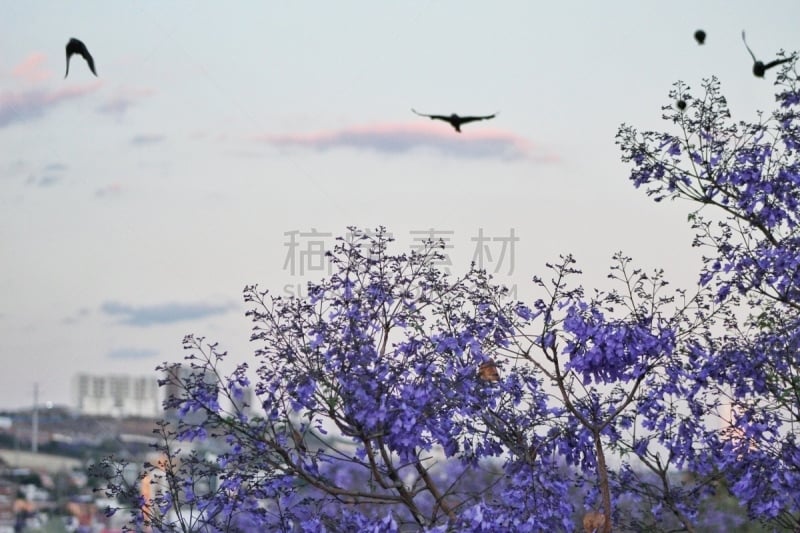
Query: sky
x=225, y=145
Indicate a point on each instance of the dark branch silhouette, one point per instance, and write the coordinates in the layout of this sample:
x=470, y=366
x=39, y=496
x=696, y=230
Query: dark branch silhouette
x=700, y=36
x=455, y=120
x=759, y=68
x=74, y=46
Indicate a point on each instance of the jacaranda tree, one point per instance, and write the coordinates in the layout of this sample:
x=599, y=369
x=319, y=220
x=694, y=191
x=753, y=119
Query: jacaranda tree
x=745, y=180
x=395, y=398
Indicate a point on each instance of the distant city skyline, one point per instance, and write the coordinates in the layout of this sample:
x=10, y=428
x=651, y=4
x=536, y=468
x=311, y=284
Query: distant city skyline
x=136, y=205
x=116, y=395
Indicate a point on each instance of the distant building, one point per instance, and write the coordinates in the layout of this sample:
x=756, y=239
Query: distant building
x=117, y=395
x=8, y=494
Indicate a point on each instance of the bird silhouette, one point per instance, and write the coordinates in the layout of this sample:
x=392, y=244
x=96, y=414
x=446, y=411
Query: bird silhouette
x=593, y=521
x=74, y=46
x=700, y=36
x=488, y=372
x=455, y=120
x=759, y=68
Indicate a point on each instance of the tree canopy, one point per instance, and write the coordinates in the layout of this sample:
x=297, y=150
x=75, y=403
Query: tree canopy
x=394, y=397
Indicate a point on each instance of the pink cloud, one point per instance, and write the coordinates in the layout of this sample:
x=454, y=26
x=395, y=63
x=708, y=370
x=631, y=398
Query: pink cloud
x=395, y=138
x=28, y=105
x=32, y=69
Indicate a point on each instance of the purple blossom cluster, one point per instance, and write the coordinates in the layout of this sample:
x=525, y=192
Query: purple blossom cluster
x=745, y=178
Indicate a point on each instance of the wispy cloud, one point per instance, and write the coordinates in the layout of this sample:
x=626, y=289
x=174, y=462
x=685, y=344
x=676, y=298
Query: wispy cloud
x=216, y=136
x=123, y=99
x=146, y=140
x=109, y=191
x=50, y=175
x=477, y=143
x=55, y=167
x=132, y=353
x=76, y=317
x=46, y=180
x=23, y=106
x=32, y=69
x=165, y=313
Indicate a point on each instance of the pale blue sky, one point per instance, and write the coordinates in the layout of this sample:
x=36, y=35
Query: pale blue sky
x=135, y=206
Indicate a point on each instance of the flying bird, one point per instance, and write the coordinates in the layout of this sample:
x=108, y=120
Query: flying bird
x=454, y=120
x=74, y=46
x=700, y=36
x=759, y=68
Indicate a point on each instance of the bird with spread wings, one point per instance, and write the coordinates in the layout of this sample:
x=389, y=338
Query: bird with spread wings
x=455, y=120
x=759, y=68
x=74, y=46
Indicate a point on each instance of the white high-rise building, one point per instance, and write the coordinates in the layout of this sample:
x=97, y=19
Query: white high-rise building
x=117, y=395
